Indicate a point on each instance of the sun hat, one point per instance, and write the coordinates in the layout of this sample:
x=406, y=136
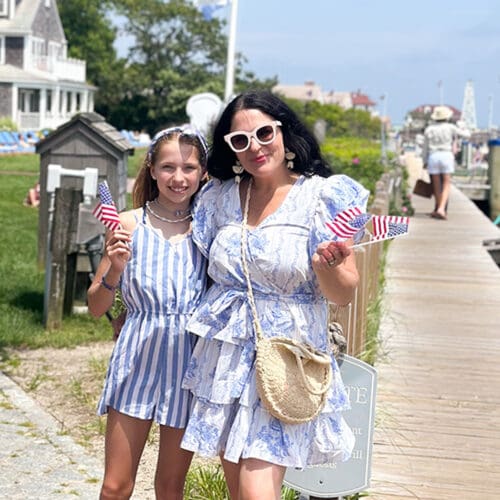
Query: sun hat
x=441, y=113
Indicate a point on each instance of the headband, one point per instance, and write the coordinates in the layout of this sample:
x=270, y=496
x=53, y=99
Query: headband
x=184, y=130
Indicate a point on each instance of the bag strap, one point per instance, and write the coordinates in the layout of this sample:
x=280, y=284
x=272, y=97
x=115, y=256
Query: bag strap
x=303, y=352
x=244, y=240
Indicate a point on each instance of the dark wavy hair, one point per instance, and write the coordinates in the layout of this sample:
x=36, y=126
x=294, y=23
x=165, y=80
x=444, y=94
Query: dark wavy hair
x=296, y=137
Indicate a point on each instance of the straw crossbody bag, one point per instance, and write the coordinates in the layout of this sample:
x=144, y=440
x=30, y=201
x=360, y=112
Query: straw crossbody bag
x=293, y=378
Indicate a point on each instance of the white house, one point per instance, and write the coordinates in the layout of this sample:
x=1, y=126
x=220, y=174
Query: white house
x=40, y=87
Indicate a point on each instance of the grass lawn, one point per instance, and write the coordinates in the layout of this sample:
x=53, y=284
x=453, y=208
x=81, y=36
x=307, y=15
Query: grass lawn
x=22, y=283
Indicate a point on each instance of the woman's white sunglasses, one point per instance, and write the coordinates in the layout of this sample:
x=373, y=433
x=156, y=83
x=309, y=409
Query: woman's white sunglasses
x=239, y=141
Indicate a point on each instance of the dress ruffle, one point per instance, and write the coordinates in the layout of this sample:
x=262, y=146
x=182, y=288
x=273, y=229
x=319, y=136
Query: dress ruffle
x=246, y=429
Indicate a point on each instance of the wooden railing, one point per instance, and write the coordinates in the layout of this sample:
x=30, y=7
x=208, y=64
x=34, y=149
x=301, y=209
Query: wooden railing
x=353, y=317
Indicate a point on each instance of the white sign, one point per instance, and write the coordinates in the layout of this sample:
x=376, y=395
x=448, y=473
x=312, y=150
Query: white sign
x=353, y=476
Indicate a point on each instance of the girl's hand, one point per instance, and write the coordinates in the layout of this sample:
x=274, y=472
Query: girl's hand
x=118, y=249
x=330, y=254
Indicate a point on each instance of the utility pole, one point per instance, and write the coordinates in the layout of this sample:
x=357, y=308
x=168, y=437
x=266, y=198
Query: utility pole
x=383, y=144
x=440, y=86
x=231, y=52
x=490, y=111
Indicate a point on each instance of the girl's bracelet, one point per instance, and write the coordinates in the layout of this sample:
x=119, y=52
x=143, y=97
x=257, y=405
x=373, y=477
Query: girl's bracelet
x=107, y=286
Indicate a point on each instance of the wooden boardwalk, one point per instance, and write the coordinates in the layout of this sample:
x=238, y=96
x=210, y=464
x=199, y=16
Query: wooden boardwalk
x=438, y=402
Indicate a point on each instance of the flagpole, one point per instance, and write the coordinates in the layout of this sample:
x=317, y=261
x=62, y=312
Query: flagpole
x=231, y=52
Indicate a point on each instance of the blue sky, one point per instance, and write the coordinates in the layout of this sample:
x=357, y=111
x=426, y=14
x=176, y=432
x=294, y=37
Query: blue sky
x=400, y=49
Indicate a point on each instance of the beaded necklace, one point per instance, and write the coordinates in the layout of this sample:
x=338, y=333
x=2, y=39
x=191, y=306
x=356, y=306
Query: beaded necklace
x=164, y=219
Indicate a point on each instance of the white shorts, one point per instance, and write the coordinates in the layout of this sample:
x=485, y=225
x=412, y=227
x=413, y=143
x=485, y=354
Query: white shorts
x=441, y=162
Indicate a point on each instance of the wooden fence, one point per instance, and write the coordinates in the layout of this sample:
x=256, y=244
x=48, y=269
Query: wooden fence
x=353, y=317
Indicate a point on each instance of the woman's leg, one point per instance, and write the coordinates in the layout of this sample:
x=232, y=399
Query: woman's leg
x=445, y=194
x=173, y=465
x=232, y=475
x=260, y=480
x=436, y=189
x=124, y=443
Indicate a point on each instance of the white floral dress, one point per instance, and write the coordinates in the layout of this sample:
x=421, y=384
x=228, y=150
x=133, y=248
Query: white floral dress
x=227, y=415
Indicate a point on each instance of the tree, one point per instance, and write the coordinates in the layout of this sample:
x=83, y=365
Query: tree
x=90, y=38
x=175, y=54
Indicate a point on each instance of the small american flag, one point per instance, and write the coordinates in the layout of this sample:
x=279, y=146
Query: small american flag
x=389, y=226
x=349, y=222
x=105, y=210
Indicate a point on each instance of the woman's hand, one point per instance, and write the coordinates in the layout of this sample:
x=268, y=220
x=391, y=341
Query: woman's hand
x=335, y=267
x=330, y=254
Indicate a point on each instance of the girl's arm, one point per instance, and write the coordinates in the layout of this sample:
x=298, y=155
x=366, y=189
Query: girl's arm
x=101, y=293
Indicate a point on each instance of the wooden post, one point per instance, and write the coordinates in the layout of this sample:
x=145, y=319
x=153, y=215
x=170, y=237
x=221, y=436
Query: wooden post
x=60, y=287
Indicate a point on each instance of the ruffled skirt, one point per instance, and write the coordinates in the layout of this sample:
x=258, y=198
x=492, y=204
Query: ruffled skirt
x=227, y=417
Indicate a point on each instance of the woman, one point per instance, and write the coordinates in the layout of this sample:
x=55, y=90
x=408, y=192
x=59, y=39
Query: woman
x=438, y=155
x=162, y=276
x=295, y=269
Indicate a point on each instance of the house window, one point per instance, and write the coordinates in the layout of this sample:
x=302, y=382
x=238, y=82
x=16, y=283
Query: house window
x=49, y=101
x=2, y=50
x=4, y=4
x=29, y=100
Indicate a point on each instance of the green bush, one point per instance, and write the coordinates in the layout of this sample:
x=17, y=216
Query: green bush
x=7, y=124
x=357, y=158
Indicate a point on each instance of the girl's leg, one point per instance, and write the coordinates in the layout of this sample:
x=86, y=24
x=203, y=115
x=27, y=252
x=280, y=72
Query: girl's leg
x=260, y=480
x=232, y=475
x=124, y=443
x=173, y=464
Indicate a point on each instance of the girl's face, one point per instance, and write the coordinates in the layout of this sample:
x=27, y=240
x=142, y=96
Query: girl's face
x=177, y=172
x=258, y=159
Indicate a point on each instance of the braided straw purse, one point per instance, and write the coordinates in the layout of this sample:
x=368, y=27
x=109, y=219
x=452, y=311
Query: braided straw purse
x=293, y=378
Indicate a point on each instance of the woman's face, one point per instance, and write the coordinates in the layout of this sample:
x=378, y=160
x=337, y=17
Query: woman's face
x=178, y=172
x=259, y=159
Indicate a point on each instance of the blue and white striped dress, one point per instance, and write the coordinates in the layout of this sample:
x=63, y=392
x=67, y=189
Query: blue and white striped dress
x=161, y=286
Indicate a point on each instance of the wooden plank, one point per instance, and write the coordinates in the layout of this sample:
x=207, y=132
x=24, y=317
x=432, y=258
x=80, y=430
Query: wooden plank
x=438, y=404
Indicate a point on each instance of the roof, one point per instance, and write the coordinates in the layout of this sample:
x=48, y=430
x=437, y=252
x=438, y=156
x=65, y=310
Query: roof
x=342, y=99
x=427, y=109
x=29, y=14
x=13, y=74
x=22, y=21
x=359, y=99
x=307, y=92
x=96, y=123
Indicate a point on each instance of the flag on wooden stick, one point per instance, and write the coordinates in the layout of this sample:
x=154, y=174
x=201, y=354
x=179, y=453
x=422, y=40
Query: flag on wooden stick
x=349, y=222
x=105, y=211
x=385, y=227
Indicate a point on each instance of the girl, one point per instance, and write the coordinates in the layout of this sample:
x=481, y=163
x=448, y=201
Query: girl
x=162, y=276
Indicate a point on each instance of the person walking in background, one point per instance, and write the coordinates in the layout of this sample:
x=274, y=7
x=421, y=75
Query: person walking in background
x=162, y=276
x=287, y=193
x=438, y=156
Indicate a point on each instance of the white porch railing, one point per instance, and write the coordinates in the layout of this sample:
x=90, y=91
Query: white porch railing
x=69, y=69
